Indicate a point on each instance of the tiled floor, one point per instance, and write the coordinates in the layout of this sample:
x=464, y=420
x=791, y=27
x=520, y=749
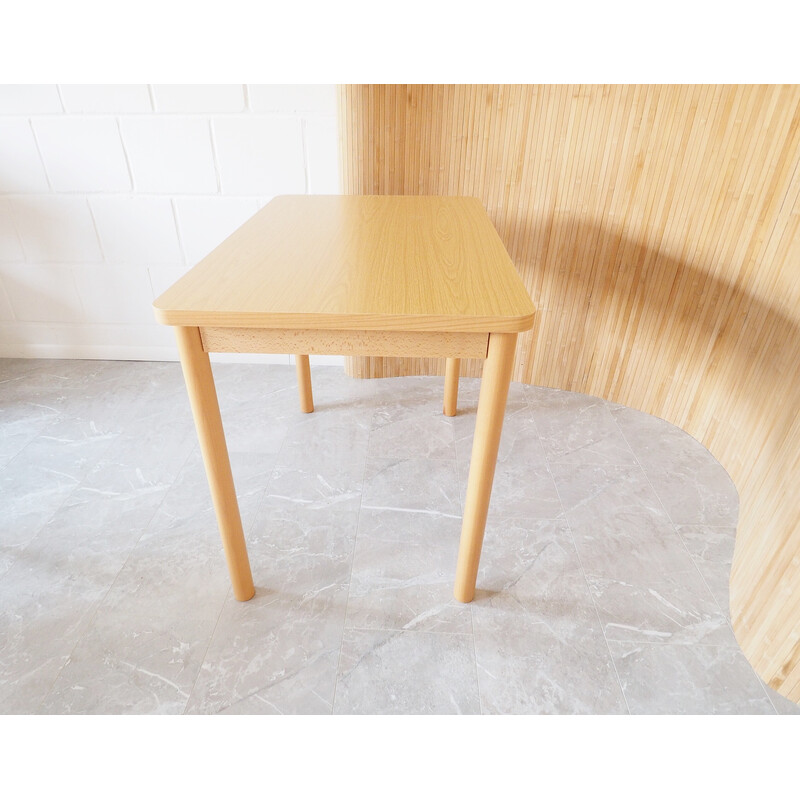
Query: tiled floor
x=603, y=583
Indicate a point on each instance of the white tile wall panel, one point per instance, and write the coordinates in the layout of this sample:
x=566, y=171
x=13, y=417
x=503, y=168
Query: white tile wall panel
x=157, y=176
x=10, y=246
x=199, y=98
x=292, y=98
x=260, y=155
x=29, y=98
x=136, y=230
x=106, y=98
x=204, y=222
x=323, y=155
x=42, y=292
x=55, y=228
x=6, y=312
x=83, y=154
x=170, y=155
x=162, y=276
x=115, y=293
x=21, y=168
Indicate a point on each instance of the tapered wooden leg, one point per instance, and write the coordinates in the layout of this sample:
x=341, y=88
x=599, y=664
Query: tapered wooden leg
x=304, y=384
x=488, y=427
x=451, y=386
x=207, y=420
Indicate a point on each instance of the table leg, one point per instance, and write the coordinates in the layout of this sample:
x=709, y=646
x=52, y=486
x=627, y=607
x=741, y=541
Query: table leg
x=451, y=386
x=205, y=409
x=304, y=384
x=488, y=426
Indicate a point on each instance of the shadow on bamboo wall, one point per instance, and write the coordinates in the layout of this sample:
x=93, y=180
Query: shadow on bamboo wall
x=681, y=302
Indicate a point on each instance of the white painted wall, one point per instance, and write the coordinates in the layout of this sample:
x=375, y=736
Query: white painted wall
x=109, y=193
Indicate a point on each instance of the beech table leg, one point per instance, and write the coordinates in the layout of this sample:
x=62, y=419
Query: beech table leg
x=207, y=420
x=451, y=386
x=488, y=426
x=304, y=384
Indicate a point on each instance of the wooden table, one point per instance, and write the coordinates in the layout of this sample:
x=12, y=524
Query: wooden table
x=354, y=275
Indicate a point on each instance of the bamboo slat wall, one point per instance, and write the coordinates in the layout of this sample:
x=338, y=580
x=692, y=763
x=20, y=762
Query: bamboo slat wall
x=656, y=228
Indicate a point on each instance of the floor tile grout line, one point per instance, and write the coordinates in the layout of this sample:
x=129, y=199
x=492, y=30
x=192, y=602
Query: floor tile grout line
x=588, y=587
x=597, y=615
x=62, y=505
x=353, y=558
x=675, y=530
x=725, y=612
x=205, y=652
x=420, y=631
x=100, y=601
x=60, y=417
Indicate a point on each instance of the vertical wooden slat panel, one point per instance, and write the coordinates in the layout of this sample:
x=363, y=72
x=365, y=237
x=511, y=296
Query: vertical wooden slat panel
x=656, y=228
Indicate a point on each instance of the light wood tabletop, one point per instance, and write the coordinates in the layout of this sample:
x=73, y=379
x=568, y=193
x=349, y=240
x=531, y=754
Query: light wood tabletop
x=356, y=263
x=383, y=275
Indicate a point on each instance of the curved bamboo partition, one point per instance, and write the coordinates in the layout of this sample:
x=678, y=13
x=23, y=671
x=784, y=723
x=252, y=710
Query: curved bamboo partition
x=656, y=228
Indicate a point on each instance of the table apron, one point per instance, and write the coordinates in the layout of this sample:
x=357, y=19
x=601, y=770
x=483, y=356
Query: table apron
x=432, y=344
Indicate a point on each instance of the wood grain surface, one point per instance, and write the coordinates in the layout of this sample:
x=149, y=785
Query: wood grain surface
x=356, y=263
x=656, y=229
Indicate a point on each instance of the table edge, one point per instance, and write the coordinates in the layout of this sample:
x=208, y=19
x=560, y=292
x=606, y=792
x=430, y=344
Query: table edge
x=362, y=322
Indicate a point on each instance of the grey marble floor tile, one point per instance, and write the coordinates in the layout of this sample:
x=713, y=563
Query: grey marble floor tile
x=411, y=429
x=298, y=549
x=8, y=555
x=189, y=496
x=410, y=526
x=780, y=703
x=711, y=549
x=251, y=384
x=302, y=691
x=677, y=608
x=43, y=614
x=530, y=565
x=114, y=596
x=406, y=672
x=51, y=383
x=405, y=569
x=415, y=484
x=552, y=660
x=523, y=485
x=31, y=490
x=692, y=485
x=335, y=390
x=107, y=397
x=681, y=679
x=413, y=389
x=281, y=648
x=519, y=442
x=618, y=523
x=469, y=392
x=538, y=641
x=88, y=538
x=132, y=486
x=259, y=424
x=327, y=432
x=578, y=429
x=406, y=584
x=20, y=423
x=323, y=456
x=146, y=642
